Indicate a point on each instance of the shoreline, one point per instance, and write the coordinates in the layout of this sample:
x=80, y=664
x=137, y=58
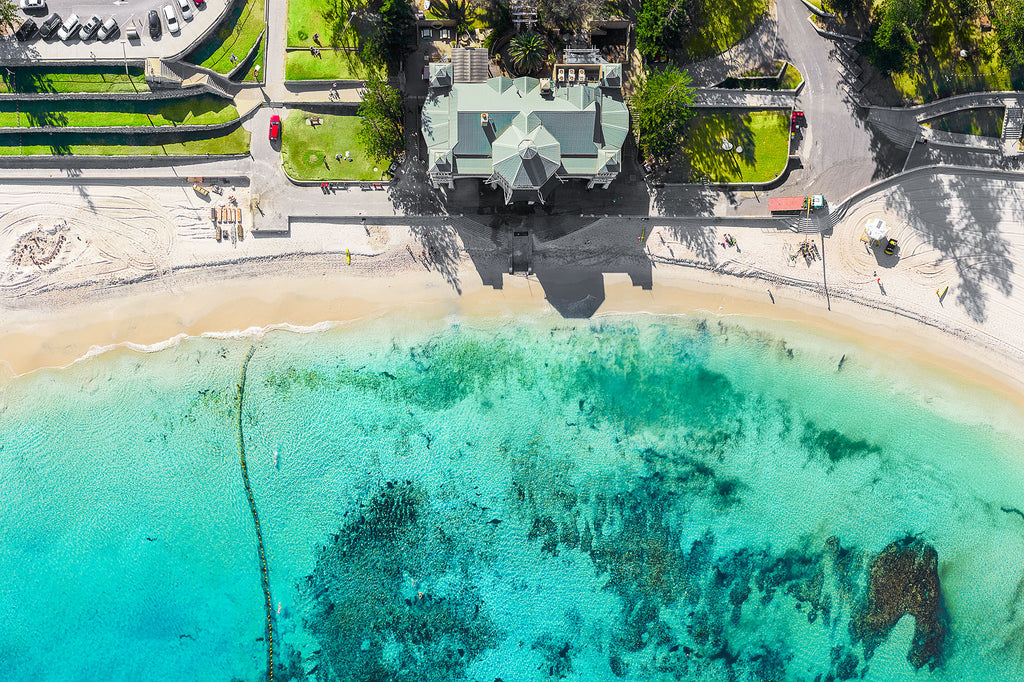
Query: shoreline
x=144, y=320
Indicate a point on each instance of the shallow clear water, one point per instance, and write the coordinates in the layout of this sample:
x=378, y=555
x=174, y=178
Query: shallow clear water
x=637, y=498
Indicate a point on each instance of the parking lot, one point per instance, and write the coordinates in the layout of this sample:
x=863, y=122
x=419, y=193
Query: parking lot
x=118, y=46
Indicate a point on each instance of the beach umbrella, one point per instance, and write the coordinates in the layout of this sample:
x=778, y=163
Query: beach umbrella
x=876, y=229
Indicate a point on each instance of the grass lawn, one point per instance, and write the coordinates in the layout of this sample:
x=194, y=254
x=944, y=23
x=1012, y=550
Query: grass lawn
x=329, y=18
x=203, y=110
x=764, y=136
x=253, y=76
x=236, y=36
x=300, y=65
x=722, y=24
x=940, y=71
x=986, y=121
x=304, y=149
x=235, y=142
x=792, y=79
x=80, y=79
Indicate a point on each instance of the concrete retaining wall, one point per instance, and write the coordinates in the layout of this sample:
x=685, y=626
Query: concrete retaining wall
x=159, y=94
x=121, y=130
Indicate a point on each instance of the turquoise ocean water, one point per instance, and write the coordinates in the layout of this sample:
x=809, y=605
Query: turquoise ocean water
x=629, y=498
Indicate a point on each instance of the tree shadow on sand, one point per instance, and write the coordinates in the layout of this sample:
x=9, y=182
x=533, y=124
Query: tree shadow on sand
x=963, y=225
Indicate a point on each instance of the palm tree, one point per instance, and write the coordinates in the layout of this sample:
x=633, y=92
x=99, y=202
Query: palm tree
x=528, y=52
x=458, y=11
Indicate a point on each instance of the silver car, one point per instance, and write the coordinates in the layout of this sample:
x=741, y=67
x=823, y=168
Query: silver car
x=108, y=29
x=70, y=28
x=186, y=10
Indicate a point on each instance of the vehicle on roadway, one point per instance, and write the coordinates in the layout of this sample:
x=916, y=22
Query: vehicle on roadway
x=70, y=28
x=47, y=28
x=108, y=29
x=26, y=30
x=275, y=127
x=154, y=24
x=172, y=19
x=90, y=27
x=186, y=10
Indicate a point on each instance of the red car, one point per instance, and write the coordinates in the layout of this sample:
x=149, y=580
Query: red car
x=275, y=127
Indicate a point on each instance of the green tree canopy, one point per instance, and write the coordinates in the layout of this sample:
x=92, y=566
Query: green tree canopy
x=661, y=25
x=890, y=43
x=660, y=106
x=568, y=15
x=1008, y=21
x=10, y=14
x=392, y=39
x=528, y=52
x=381, y=131
x=459, y=11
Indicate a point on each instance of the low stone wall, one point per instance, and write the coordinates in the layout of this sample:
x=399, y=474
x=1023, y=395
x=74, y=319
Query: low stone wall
x=158, y=94
x=123, y=161
x=120, y=130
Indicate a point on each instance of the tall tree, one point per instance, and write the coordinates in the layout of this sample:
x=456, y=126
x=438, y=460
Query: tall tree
x=661, y=25
x=459, y=11
x=392, y=38
x=10, y=15
x=890, y=43
x=568, y=15
x=382, y=130
x=660, y=105
x=1008, y=21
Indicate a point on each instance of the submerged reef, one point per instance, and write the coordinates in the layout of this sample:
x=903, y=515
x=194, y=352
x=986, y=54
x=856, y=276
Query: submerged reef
x=904, y=579
x=390, y=599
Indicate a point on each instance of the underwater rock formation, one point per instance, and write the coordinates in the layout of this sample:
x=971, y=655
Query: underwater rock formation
x=904, y=579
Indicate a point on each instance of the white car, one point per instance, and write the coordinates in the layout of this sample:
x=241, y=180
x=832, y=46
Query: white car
x=70, y=28
x=108, y=29
x=172, y=19
x=186, y=10
x=38, y=5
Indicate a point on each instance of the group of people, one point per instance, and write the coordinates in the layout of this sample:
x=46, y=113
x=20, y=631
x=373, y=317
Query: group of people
x=727, y=240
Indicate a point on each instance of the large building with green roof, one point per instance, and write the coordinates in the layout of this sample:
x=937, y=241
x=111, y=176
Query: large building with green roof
x=526, y=135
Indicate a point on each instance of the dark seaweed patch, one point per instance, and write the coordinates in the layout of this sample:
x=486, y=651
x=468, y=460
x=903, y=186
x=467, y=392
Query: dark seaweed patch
x=835, y=446
x=371, y=619
x=434, y=376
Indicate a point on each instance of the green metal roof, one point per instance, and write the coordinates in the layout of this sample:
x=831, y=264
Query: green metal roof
x=584, y=122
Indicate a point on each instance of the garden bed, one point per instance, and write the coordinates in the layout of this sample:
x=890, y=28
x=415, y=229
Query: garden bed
x=309, y=152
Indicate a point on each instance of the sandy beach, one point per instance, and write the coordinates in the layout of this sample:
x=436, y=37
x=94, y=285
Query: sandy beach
x=144, y=282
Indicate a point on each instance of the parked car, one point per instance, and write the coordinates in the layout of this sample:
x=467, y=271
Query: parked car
x=154, y=24
x=70, y=28
x=186, y=11
x=33, y=5
x=108, y=29
x=51, y=24
x=90, y=27
x=199, y=3
x=26, y=30
x=275, y=127
x=172, y=19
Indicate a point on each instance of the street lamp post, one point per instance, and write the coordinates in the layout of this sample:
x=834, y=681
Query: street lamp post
x=124, y=51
